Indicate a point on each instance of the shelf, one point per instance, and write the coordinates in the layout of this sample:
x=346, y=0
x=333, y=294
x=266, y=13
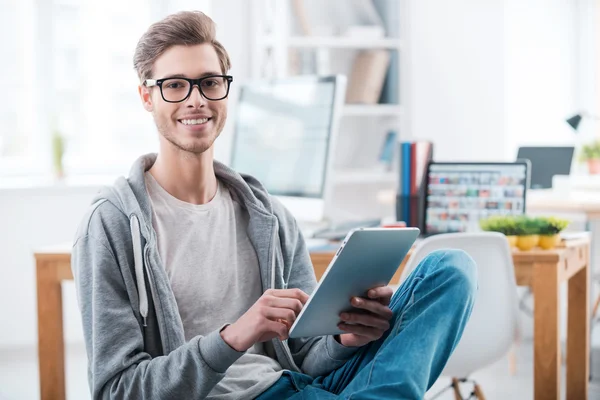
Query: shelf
x=352, y=176
x=338, y=42
x=376, y=110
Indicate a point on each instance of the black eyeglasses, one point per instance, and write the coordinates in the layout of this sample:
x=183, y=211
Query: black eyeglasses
x=176, y=90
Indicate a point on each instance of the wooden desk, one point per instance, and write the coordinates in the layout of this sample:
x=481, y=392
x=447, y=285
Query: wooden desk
x=576, y=202
x=548, y=202
x=542, y=270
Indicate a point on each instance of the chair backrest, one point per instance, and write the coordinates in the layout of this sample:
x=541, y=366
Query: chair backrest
x=492, y=327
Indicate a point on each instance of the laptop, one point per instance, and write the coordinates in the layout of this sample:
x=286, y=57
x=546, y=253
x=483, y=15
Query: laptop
x=546, y=162
x=458, y=195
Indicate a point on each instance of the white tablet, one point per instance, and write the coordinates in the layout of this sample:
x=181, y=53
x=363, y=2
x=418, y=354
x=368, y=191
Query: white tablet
x=366, y=258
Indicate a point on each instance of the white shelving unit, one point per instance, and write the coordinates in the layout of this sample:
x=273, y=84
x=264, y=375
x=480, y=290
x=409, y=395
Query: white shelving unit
x=360, y=176
x=377, y=110
x=363, y=127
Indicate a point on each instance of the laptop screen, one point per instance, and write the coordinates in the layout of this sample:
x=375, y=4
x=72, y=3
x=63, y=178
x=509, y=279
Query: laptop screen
x=547, y=162
x=459, y=195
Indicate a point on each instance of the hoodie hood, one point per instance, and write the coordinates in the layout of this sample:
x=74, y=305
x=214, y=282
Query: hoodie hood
x=129, y=194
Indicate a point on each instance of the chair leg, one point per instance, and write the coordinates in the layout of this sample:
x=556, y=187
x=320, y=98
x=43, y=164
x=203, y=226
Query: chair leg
x=512, y=361
x=478, y=392
x=512, y=354
x=596, y=305
x=456, y=389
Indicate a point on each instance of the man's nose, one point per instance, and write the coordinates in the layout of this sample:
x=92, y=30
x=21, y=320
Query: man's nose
x=196, y=99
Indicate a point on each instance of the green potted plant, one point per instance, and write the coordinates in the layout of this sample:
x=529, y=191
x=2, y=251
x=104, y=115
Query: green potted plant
x=590, y=154
x=503, y=224
x=527, y=231
x=511, y=231
x=549, y=231
x=58, y=151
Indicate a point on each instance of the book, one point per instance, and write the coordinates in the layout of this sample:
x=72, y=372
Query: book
x=415, y=159
x=367, y=76
x=386, y=156
x=390, y=15
x=424, y=155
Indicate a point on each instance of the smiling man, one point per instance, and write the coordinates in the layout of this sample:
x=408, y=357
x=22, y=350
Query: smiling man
x=189, y=274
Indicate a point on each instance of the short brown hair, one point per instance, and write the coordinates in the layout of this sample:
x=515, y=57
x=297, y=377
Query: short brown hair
x=183, y=28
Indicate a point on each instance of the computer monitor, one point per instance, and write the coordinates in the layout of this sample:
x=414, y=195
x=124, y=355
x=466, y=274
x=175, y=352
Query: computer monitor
x=285, y=130
x=546, y=162
x=459, y=195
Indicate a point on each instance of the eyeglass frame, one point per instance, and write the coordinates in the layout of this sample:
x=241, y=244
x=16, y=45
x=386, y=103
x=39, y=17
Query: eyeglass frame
x=192, y=82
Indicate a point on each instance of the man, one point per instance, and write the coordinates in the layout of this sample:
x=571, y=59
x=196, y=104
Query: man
x=189, y=274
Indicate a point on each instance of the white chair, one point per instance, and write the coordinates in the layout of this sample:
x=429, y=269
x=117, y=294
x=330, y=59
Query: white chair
x=493, y=326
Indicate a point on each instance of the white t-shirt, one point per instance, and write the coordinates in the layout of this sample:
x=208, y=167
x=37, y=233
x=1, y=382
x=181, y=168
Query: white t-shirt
x=215, y=276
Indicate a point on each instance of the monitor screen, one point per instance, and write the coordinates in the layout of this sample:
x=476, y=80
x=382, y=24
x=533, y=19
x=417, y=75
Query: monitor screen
x=547, y=162
x=283, y=133
x=460, y=194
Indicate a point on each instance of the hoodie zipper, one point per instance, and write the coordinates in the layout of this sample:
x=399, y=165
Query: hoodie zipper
x=286, y=350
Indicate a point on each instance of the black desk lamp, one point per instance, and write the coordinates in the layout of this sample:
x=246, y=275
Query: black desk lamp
x=575, y=120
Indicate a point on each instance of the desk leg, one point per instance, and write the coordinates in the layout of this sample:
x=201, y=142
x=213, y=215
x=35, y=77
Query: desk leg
x=51, y=347
x=578, y=338
x=546, y=351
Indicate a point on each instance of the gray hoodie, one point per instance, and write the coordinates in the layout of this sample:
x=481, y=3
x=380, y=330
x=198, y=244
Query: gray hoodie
x=133, y=332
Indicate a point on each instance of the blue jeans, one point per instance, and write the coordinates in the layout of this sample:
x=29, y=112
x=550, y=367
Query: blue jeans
x=431, y=309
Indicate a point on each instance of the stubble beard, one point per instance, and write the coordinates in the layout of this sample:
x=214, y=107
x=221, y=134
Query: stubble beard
x=194, y=148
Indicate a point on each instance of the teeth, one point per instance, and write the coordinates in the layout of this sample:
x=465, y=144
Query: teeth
x=194, y=121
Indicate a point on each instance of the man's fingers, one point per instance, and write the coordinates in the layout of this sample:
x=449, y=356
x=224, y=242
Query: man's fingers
x=278, y=314
x=383, y=293
x=287, y=324
x=279, y=328
x=373, y=306
x=285, y=303
x=360, y=330
x=300, y=295
x=289, y=293
x=368, y=320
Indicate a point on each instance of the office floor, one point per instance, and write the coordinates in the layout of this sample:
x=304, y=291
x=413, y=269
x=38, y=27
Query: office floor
x=19, y=377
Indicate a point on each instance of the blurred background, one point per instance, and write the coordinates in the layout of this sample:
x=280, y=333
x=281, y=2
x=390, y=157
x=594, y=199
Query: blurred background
x=475, y=79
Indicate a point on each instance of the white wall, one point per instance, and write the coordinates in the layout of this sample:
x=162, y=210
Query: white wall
x=29, y=219
x=541, y=69
x=488, y=76
x=457, y=77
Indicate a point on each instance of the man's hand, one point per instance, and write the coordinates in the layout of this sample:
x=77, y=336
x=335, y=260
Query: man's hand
x=370, y=321
x=271, y=316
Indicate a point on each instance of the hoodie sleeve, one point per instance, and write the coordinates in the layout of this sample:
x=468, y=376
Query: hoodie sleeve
x=315, y=356
x=118, y=367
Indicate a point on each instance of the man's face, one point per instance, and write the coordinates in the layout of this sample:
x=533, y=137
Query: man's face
x=193, y=124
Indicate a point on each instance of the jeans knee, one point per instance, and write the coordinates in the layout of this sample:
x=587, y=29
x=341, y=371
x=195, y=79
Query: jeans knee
x=457, y=265
x=462, y=265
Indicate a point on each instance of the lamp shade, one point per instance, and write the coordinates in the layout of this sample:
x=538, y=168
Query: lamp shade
x=574, y=121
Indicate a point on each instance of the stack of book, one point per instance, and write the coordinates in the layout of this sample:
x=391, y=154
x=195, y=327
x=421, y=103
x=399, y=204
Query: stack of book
x=411, y=196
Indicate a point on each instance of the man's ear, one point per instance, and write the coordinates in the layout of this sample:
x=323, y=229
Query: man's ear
x=146, y=97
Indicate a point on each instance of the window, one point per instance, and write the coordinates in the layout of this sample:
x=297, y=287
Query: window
x=17, y=109
x=73, y=73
